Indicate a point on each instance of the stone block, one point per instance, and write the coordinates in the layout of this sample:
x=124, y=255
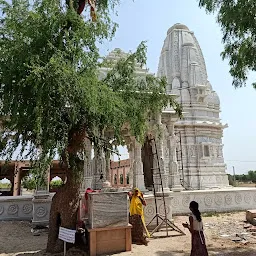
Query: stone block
x=41, y=209
x=16, y=208
x=109, y=209
x=250, y=216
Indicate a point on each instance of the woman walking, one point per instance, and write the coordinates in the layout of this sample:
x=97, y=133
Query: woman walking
x=195, y=227
x=137, y=217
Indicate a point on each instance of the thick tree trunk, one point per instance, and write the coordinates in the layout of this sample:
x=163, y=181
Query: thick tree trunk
x=63, y=213
x=66, y=201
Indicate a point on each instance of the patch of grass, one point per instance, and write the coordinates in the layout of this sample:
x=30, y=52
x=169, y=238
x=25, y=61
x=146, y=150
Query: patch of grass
x=210, y=214
x=5, y=185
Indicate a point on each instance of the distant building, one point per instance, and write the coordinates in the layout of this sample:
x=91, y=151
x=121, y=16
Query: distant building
x=119, y=173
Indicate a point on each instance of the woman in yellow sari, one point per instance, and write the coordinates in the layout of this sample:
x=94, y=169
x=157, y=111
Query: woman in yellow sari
x=137, y=219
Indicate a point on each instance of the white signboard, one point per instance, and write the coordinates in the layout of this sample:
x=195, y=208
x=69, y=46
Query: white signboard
x=67, y=235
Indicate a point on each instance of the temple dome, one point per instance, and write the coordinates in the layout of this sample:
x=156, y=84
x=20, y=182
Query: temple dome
x=181, y=57
x=182, y=63
x=177, y=26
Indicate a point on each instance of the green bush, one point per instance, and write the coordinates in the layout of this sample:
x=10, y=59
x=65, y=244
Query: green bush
x=5, y=185
x=29, y=182
x=56, y=183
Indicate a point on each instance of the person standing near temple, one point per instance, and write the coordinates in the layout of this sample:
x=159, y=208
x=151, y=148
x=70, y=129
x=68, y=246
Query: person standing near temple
x=195, y=227
x=136, y=217
x=83, y=207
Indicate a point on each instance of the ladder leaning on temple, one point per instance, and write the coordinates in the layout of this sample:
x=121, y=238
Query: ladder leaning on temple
x=161, y=220
x=179, y=158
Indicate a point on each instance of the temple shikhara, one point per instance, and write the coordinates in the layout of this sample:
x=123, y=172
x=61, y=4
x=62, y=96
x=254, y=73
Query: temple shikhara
x=200, y=131
x=190, y=149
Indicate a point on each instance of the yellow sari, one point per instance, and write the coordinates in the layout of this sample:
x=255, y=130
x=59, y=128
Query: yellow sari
x=136, y=207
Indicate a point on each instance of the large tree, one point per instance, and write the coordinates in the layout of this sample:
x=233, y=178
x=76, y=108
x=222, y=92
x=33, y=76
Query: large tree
x=52, y=98
x=237, y=20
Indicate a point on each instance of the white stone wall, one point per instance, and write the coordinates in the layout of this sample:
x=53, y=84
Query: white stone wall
x=16, y=207
x=35, y=208
x=219, y=200
x=201, y=170
x=150, y=209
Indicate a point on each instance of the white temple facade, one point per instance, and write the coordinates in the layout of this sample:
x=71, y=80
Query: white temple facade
x=190, y=149
x=200, y=131
x=141, y=160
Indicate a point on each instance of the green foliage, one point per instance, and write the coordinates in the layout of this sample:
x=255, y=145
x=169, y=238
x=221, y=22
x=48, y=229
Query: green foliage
x=237, y=20
x=56, y=183
x=34, y=179
x=210, y=214
x=249, y=177
x=29, y=182
x=50, y=90
x=5, y=185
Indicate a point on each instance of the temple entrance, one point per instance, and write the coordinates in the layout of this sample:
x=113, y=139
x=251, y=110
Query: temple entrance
x=147, y=159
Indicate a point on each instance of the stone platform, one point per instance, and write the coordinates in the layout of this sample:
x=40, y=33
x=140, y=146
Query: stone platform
x=16, y=208
x=108, y=209
x=217, y=200
x=212, y=200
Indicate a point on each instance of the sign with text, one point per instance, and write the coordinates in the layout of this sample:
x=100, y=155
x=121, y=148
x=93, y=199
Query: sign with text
x=67, y=235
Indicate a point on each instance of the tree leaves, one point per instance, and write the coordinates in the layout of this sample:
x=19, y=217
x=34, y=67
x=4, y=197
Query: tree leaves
x=50, y=86
x=237, y=19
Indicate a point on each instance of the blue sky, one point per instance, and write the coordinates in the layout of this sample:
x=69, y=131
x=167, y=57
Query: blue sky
x=141, y=20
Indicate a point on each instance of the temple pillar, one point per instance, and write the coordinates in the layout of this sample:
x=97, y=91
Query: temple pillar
x=174, y=174
x=138, y=176
x=99, y=168
x=16, y=180
x=112, y=178
x=88, y=175
x=131, y=157
x=108, y=171
x=124, y=177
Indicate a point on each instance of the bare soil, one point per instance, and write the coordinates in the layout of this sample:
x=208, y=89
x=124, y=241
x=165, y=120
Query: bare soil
x=16, y=239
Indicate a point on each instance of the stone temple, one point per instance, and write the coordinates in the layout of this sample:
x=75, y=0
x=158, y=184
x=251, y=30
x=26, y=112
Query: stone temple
x=190, y=149
x=200, y=131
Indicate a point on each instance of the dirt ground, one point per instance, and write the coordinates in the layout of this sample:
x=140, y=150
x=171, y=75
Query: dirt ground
x=16, y=239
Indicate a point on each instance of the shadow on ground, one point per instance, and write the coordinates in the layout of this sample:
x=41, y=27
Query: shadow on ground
x=243, y=251
x=238, y=251
x=172, y=253
x=70, y=252
x=159, y=235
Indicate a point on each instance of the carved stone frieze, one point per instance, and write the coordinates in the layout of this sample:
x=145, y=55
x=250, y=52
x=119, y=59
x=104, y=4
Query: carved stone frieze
x=13, y=209
x=1, y=209
x=41, y=212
